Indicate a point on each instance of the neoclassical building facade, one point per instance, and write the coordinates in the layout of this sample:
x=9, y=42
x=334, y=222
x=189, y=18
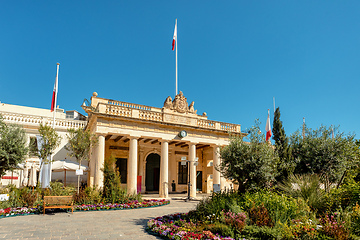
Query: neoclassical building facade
x=29, y=118
x=157, y=149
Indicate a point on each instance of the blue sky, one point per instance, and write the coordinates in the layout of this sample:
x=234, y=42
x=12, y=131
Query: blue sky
x=234, y=57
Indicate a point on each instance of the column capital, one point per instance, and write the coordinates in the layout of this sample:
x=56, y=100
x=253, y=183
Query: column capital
x=101, y=134
x=133, y=137
x=192, y=143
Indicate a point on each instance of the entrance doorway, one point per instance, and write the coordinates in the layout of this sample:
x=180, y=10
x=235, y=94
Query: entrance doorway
x=199, y=181
x=152, y=179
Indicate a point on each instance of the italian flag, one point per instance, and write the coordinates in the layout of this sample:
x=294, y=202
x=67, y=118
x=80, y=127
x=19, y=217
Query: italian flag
x=174, y=38
x=268, y=127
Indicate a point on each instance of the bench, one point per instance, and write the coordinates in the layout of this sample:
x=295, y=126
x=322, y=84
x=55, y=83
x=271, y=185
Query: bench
x=58, y=202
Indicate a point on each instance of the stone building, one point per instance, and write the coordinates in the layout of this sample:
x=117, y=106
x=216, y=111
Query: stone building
x=151, y=144
x=30, y=118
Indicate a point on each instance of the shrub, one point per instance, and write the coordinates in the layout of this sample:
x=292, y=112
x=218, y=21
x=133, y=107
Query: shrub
x=348, y=195
x=88, y=195
x=58, y=189
x=265, y=233
x=220, y=228
x=235, y=220
x=332, y=226
x=281, y=208
x=112, y=190
x=20, y=197
x=260, y=216
x=307, y=187
x=28, y=197
x=355, y=220
x=304, y=229
x=214, y=205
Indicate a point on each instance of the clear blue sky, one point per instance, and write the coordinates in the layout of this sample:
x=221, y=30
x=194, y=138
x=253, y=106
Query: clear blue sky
x=234, y=56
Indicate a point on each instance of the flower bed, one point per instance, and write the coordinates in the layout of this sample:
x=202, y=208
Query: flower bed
x=119, y=206
x=10, y=212
x=174, y=227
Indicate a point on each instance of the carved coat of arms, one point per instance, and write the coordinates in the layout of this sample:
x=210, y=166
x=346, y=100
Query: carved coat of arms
x=179, y=104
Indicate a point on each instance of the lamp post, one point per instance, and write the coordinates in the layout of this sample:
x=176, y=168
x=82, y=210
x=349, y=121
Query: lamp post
x=184, y=161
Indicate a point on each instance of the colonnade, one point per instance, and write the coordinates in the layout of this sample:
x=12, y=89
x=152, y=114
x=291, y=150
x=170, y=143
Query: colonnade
x=97, y=176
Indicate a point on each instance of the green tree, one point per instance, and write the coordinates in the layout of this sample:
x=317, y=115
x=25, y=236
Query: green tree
x=320, y=153
x=112, y=191
x=13, y=149
x=50, y=141
x=286, y=165
x=80, y=143
x=252, y=165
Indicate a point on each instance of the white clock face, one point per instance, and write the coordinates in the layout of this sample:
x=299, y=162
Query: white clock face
x=183, y=133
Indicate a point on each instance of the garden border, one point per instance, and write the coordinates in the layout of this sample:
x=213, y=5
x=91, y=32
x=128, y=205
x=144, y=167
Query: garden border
x=157, y=203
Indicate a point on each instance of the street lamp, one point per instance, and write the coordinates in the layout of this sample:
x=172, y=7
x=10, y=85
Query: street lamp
x=183, y=162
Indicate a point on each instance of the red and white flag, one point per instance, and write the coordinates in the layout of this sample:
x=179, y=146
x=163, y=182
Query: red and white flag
x=175, y=37
x=54, y=96
x=268, y=127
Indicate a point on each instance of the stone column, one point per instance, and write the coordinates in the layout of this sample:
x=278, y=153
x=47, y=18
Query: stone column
x=93, y=156
x=192, y=156
x=132, y=166
x=222, y=183
x=99, y=162
x=164, y=170
x=216, y=163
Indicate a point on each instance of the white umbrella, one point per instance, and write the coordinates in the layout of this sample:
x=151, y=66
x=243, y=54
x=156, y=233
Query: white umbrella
x=67, y=165
x=32, y=178
x=26, y=175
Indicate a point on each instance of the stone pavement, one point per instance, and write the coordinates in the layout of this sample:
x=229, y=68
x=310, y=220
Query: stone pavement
x=119, y=224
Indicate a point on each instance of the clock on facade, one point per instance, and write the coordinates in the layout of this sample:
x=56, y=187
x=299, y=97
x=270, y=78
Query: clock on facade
x=182, y=134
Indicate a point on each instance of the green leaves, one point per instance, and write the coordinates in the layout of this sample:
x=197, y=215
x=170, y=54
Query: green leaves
x=252, y=164
x=50, y=141
x=318, y=152
x=80, y=143
x=13, y=148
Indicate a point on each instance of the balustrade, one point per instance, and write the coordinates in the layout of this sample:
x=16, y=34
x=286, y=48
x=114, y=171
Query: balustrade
x=23, y=119
x=228, y=127
x=206, y=124
x=148, y=115
x=124, y=109
x=118, y=111
x=129, y=105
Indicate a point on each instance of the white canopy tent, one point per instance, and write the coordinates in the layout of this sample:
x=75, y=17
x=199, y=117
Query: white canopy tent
x=67, y=165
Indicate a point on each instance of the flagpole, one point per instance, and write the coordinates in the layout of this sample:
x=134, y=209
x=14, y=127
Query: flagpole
x=55, y=102
x=303, y=130
x=176, y=61
x=274, y=103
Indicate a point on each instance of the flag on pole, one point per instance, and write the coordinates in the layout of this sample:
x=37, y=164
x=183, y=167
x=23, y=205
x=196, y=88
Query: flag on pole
x=54, y=96
x=174, y=38
x=268, y=127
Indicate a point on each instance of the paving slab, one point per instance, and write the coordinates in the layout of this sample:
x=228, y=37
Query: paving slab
x=120, y=224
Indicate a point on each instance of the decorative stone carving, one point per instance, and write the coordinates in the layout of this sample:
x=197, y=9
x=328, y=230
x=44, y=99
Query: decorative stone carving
x=179, y=104
x=191, y=107
x=168, y=103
